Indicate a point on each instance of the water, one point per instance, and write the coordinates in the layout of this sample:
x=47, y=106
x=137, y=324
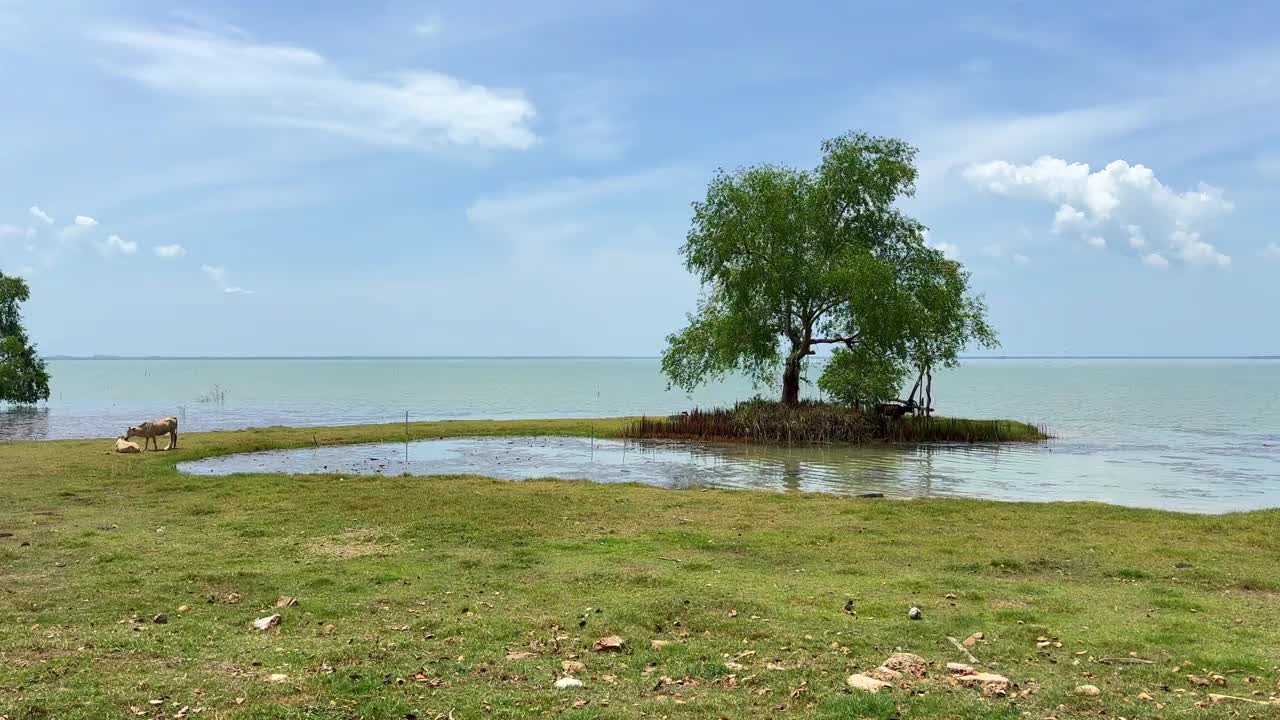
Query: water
x=1199, y=435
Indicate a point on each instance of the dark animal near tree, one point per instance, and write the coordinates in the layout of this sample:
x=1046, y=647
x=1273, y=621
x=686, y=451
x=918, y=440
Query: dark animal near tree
x=894, y=410
x=152, y=429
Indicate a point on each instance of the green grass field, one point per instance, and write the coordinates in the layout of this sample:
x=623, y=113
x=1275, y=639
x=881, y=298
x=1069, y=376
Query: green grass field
x=461, y=597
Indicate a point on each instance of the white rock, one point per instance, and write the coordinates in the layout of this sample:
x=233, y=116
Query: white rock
x=267, y=622
x=1088, y=690
x=567, y=682
x=124, y=446
x=866, y=684
x=914, y=613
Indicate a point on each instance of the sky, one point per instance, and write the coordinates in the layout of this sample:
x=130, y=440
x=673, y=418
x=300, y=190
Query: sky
x=513, y=178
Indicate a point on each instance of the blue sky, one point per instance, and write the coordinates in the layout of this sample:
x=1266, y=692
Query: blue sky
x=289, y=178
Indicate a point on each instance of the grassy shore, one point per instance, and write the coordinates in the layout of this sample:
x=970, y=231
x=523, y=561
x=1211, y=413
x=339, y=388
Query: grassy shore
x=462, y=597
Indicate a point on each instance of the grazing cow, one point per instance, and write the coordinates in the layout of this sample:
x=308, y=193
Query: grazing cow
x=894, y=410
x=152, y=429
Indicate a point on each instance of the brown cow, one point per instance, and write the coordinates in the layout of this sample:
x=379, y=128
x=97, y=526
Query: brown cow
x=152, y=429
x=894, y=410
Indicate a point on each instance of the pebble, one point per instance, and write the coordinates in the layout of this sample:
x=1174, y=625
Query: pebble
x=568, y=682
x=915, y=614
x=1088, y=691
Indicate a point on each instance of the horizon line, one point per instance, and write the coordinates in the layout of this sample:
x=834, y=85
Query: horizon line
x=615, y=357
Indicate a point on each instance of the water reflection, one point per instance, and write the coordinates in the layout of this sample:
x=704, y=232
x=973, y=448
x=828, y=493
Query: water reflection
x=24, y=423
x=1006, y=472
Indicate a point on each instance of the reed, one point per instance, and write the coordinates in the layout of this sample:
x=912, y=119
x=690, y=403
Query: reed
x=817, y=423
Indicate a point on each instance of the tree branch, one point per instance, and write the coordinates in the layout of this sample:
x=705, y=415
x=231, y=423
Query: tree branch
x=848, y=341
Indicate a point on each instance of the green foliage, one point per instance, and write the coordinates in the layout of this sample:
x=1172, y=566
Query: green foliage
x=791, y=260
x=23, y=377
x=862, y=376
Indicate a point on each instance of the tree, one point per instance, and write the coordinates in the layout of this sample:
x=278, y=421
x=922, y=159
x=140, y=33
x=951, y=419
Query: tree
x=863, y=376
x=23, y=378
x=791, y=260
x=944, y=320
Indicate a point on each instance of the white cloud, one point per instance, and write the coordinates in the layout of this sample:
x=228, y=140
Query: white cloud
x=1137, y=240
x=1118, y=195
x=36, y=211
x=1155, y=260
x=1021, y=259
x=114, y=244
x=1099, y=243
x=285, y=86
x=16, y=231
x=170, y=251
x=1066, y=217
x=1271, y=251
x=218, y=274
x=81, y=225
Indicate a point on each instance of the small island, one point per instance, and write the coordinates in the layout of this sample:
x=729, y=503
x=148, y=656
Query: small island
x=792, y=261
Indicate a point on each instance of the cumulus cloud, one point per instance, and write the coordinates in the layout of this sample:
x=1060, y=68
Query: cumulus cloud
x=36, y=211
x=1097, y=242
x=81, y=225
x=1119, y=195
x=218, y=274
x=170, y=251
x=1155, y=260
x=1271, y=251
x=115, y=245
x=295, y=87
x=1066, y=218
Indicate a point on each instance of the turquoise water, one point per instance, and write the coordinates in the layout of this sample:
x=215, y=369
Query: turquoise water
x=1200, y=435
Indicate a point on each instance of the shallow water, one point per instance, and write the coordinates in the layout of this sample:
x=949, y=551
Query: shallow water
x=1191, y=434
x=1006, y=472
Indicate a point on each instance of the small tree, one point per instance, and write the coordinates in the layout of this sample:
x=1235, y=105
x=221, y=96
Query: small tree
x=23, y=377
x=791, y=260
x=863, y=376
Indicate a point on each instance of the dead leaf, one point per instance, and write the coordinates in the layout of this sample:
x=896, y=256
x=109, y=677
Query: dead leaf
x=519, y=655
x=277, y=678
x=285, y=601
x=572, y=666
x=580, y=703
x=612, y=643
x=973, y=639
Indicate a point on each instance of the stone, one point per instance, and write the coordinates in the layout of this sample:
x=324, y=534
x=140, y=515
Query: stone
x=990, y=683
x=973, y=639
x=277, y=678
x=884, y=674
x=267, y=622
x=160, y=619
x=915, y=614
x=658, y=644
x=285, y=601
x=568, y=682
x=906, y=664
x=613, y=643
x=956, y=667
x=866, y=683
x=1088, y=691
x=124, y=446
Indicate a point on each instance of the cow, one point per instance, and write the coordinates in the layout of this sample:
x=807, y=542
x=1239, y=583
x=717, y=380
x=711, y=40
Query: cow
x=894, y=410
x=152, y=429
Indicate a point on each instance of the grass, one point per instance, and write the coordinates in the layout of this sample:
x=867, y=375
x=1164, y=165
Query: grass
x=814, y=422
x=416, y=593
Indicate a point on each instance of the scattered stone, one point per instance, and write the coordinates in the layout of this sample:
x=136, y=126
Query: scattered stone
x=330, y=629
x=568, y=682
x=906, y=664
x=277, y=678
x=124, y=446
x=1043, y=644
x=184, y=608
x=267, y=622
x=1088, y=690
x=866, y=683
x=285, y=601
x=885, y=674
x=956, y=667
x=519, y=655
x=572, y=666
x=1144, y=696
x=160, y=619
x=973, y=639
x=992, y=685
x=658, y=644
x=613, y=643
x=915, y=614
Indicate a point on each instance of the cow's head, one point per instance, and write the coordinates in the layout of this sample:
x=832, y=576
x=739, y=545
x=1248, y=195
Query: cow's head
x=132, y=431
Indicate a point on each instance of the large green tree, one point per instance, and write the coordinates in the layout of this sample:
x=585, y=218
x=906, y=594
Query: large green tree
x=23, y=377
x=792, y=260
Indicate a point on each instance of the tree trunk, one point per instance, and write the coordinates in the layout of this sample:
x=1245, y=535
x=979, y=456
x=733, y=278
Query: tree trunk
x=928, y=403
x=791, y=380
